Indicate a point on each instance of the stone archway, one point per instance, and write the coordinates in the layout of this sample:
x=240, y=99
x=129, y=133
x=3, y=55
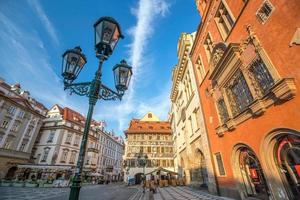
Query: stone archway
x=138, y=178
x=248, y=173
x=198, y=169
x=11, y=173
x=280, y=151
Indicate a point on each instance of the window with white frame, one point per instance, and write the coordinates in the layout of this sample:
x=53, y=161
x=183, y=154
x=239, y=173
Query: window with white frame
x=64, y=155
x=224, y=20
x=23, y=146
x=1, y=138
x=239, y=93
x=265, y=11
x=77, y=140
x=73, y=157
x=21, y=114
x=261, y=75
x=15, y=127
x=8, y=143
x=51, y=136
x=220, y=165
x=45, y=155
x=11, y=110
x=222, y=111
x=208, y=46
x=68, y=138
x=200, y=69
x=5, y=124
x=28, y=132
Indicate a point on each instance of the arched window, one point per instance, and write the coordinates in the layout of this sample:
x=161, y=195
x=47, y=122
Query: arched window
x=288, y=157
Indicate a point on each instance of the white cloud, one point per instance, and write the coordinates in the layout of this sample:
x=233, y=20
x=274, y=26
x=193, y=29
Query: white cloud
x=36, y=6
x=146, y=12
x=25, y=60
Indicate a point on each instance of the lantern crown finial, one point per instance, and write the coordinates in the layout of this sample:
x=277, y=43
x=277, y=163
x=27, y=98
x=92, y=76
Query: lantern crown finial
x=112, y=20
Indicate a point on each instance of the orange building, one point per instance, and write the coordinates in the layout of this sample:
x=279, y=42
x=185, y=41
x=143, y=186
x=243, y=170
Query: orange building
x=152, y=137
x=246, y=58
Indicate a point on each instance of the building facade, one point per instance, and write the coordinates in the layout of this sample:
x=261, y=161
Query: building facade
x=111, y=156
x=20, y=121
x=152, y=137
x=57, y=148
x=249, y=50
x=192, y=151
x=59, y=142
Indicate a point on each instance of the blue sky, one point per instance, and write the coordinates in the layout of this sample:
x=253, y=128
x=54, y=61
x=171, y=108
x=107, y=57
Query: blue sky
x=34, y=34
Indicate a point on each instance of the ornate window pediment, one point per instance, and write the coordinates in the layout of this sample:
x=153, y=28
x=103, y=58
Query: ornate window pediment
x=217, y=54
x=248, y=81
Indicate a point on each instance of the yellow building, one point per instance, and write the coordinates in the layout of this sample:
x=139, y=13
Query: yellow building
x=192, y=151
x=152, y=137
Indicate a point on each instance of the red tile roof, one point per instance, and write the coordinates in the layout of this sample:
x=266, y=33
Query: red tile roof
x=137, y=126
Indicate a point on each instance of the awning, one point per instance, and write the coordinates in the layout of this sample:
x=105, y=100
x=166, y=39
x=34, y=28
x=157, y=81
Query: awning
x=55, y=167
x=95, y=174
x=160, y=169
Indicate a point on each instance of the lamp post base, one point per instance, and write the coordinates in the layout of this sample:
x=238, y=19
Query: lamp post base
x=75, y=189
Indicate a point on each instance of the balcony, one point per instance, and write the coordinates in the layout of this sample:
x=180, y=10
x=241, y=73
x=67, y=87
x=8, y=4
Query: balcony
x=92, y=149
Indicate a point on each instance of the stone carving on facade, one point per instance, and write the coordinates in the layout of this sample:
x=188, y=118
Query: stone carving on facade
x=254, y=84
x=252, y=39
x=217, y=55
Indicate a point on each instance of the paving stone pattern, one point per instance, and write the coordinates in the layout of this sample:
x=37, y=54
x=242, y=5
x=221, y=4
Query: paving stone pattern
x=176, y=193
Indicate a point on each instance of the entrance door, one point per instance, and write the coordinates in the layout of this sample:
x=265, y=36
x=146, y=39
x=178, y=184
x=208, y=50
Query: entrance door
x=138, y=178
x=198, y=173
x=288, y=156
x=252, y=175
x=11, y=173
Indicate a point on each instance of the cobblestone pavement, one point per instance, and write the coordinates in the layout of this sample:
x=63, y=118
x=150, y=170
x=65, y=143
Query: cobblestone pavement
x=176, y=193
x=94, y=192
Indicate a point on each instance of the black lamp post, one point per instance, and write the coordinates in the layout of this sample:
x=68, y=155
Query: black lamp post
x=142, y=161
x=107, y=34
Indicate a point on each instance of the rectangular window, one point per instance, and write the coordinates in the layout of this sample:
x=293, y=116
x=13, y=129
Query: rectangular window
x=45, y=156
x=28, y=132
x=200, y=66
x=264, y=12
x=223, y=114
x=21, y=114
x=11, y=110
x=219, y=161
x=149, y=149
x=239, y=94
x=22, y=147
x=261, y=75
x=64, y=156
x=208, y=46
x=15, y=127
x=5, y=124
x=224, y=20
x=7, y=144
x=77, y=140
x=51, y=136
x=73, y=157
x=68, y=138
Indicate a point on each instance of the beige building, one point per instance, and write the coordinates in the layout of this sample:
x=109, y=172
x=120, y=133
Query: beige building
x=192, y=151
x=57, y=146
x=152, y=137
x=111, y=156
x=20, y=121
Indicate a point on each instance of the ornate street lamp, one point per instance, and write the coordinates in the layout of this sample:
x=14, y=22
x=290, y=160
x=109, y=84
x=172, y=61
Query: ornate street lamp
x=142, y=160
x=107, y=34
